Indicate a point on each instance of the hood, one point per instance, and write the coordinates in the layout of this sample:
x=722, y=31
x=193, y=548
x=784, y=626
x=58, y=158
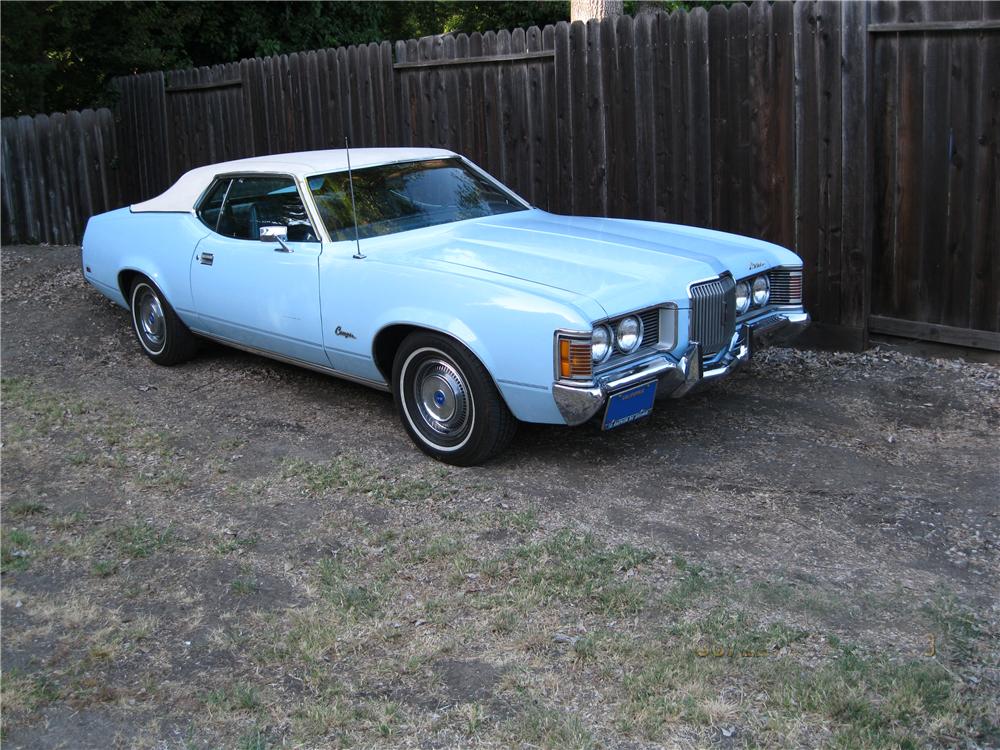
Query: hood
x=622, y=264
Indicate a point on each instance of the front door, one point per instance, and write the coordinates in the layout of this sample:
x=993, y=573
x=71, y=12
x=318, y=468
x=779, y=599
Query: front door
x=259, y=294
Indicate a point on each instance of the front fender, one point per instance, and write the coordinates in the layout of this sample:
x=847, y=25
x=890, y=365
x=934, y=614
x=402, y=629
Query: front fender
x=523, y=376
x=509, y=328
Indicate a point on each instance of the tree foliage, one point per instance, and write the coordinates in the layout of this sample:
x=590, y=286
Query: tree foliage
x=61, y=55
x=57, y=56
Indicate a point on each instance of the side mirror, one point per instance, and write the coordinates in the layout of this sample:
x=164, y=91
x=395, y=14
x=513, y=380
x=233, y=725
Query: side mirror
x=273, y=234
x=276, y=234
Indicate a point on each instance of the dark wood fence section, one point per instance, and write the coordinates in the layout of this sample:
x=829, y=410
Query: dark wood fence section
x=936, y=123
x=58, y=171
x=841, y=130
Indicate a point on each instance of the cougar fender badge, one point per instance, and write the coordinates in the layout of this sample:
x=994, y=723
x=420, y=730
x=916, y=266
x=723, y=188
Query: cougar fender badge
x=346, y=334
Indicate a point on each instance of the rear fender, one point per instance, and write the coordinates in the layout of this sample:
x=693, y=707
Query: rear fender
x=159, y=246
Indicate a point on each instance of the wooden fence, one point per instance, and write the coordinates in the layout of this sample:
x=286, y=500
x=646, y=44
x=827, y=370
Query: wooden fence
x=789, y=122
x=935, y=116
x=58, y=171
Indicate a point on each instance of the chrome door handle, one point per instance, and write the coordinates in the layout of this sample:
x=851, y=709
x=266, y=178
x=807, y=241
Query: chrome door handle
x=206, y=258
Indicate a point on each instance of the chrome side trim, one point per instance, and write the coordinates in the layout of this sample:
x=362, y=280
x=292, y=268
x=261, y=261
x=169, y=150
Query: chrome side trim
x=519, y=384
x=380, y=386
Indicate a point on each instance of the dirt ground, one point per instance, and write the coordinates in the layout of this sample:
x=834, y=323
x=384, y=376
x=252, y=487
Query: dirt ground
x=239, y=553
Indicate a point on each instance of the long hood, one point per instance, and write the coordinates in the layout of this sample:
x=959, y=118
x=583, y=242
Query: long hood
x=621, y=264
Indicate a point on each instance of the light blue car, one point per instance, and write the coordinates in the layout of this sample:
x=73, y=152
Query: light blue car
x=423, y=275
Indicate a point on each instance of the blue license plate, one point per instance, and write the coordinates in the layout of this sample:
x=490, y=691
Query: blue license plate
x=628, y=406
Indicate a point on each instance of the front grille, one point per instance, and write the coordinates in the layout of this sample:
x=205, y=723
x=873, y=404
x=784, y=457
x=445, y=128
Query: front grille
x=786, y=286
x=650, y=327
x=713, y=314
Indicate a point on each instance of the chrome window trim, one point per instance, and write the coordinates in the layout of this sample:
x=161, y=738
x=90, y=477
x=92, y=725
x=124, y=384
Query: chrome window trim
x=495, y=181
x=204, y=196
x=474, y=167
x=309, y=201
x=233, y=176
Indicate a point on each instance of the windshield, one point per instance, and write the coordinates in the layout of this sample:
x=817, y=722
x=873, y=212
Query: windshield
x=400, y=197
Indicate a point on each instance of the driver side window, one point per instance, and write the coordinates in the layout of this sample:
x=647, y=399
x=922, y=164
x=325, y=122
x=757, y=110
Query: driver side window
x=240, y=206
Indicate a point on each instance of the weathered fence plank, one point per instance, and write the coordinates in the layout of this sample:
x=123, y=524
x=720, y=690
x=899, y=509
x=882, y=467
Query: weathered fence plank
x=58, y=171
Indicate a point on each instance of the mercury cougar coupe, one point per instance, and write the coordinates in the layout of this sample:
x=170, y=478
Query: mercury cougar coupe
x=418, y=273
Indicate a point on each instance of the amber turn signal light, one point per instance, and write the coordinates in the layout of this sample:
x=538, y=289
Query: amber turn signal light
x=574, y=359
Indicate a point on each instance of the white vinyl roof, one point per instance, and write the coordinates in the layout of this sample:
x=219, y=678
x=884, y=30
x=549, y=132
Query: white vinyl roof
x=182, y=195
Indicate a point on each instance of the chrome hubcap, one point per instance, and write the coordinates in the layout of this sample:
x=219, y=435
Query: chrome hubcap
x=149, y=314
x=442, y=397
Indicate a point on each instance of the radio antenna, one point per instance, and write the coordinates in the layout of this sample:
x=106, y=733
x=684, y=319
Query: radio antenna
x=354, y=209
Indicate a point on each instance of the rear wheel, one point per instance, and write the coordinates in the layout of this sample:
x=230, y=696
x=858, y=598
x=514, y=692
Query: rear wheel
x=448, y=402
x=162, y=335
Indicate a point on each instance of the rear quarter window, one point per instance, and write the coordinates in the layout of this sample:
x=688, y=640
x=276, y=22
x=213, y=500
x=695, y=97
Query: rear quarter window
x=211, y=205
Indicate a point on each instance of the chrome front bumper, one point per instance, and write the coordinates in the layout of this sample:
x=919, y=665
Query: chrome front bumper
x=676, y=376
x=778, y=328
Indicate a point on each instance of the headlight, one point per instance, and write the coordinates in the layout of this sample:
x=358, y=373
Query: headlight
x=600, y=344
x=761, y=291
x=742, y=297
x=629, y=334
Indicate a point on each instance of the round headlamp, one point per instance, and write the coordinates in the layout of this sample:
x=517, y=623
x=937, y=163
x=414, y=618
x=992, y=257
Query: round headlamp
x=761, y=291
x=600, y=344
x=742, y=297
x=628, y=335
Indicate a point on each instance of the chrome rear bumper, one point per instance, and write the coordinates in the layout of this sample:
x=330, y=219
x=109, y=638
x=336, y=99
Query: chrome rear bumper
x=676, y=376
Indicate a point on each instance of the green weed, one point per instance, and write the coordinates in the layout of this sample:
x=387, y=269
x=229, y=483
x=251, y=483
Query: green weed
x=140, y=540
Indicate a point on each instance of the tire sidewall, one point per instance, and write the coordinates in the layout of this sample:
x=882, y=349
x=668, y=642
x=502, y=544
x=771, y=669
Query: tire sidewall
x=137, y=288
x=410, y=359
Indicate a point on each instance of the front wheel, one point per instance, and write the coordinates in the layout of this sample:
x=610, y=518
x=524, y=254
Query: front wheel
x=448, y=402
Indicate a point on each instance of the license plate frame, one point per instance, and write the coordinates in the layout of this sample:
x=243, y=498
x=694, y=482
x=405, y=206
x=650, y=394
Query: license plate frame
x=629, y=406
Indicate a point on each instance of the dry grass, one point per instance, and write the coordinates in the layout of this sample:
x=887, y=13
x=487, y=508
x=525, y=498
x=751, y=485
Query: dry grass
x=277, y=609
